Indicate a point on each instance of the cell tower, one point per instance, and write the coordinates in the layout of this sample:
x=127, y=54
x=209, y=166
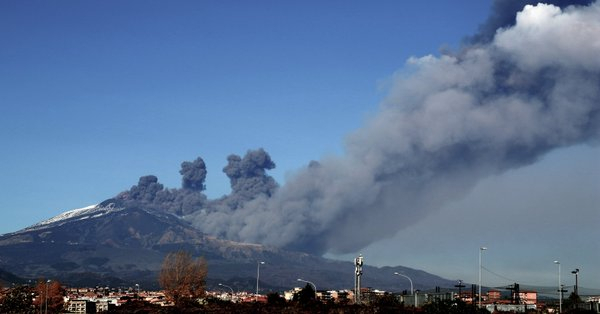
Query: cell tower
x=358, y=262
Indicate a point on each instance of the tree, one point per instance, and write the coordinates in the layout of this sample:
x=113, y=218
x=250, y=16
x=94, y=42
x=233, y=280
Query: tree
x=452, y=307
x=274, y=298
x=182, y=277
x=306, y=296
x=387, y=303
x=49, y=293
x=573, y=300
x=17, y=300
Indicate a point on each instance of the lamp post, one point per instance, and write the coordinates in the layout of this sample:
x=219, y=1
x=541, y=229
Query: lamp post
x=410, y=280
x=575, y=272
x=559, y=288
x=47, y=282
x=314, y=287
x=481, y=249
x=412, y=291
x=257, y=278
x=226, y=286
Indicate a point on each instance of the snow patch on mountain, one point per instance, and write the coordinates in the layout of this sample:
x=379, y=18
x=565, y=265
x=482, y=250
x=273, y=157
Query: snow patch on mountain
x=92, y=211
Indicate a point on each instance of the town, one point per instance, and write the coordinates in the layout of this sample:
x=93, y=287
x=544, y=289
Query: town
x=126, y=299
x=184, y=289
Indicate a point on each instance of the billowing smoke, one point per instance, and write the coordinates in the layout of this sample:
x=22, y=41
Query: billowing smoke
x=525, y=84
x=248, y=177
x=504, y=15
x=449, y=121
x=150, y=194
x=248, y=181
x=145, y=191
x=193, y=174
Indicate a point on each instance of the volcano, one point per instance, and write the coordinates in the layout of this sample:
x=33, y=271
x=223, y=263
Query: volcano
x=109, y=244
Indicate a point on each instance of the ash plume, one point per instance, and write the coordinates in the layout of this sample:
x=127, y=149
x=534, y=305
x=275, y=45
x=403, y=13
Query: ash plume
x=527, y=83
x=248, y=180
x=449, y=121
x=504, y=15
x=248, y=177
x=193, y=174
x=150, y=194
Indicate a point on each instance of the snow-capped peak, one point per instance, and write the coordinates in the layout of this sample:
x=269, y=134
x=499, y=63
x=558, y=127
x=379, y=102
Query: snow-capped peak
x=68, y=214
x=91, y=211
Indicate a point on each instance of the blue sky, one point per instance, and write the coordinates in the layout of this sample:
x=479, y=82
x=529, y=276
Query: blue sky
x=94, y=95
x=97, y=94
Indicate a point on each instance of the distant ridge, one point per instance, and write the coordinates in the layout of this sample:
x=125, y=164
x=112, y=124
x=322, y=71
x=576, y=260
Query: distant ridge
x=111, y=244
x=8, y=278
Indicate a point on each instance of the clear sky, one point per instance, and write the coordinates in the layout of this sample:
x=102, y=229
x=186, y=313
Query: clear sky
x=95, y=94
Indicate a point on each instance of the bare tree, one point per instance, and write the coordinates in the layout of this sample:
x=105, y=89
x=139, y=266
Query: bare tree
x=182, y=277
x=50, y=295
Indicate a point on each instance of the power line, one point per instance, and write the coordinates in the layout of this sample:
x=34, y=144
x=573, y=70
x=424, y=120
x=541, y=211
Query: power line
x=543, y=290
x=498, y=275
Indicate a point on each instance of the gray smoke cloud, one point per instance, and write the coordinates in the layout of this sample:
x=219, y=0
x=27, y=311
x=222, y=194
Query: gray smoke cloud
x=152, y=195
x=449, y=121
x=193, y=174
x=248, y=177
x=525, y=84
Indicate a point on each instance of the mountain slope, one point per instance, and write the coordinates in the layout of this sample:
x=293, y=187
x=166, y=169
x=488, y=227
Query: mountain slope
x=108, y=244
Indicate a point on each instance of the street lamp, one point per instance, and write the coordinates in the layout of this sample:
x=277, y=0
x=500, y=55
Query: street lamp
x=411, y=283
x=559, y=288
x=481, y=249
x=314, y=287
x=47, y=282
x=412, y=291
x=226, y=286
x=575, y=272
x=257, y=277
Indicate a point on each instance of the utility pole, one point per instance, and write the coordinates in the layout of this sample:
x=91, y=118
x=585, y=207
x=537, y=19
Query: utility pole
x=562, y=292
x=481, y=249
x=460, y=286
x=515, y=294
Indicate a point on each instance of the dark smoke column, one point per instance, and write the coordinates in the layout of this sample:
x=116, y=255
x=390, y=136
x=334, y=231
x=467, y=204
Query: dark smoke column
x=151, y=195
x=193, y=174
x=249, y=177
